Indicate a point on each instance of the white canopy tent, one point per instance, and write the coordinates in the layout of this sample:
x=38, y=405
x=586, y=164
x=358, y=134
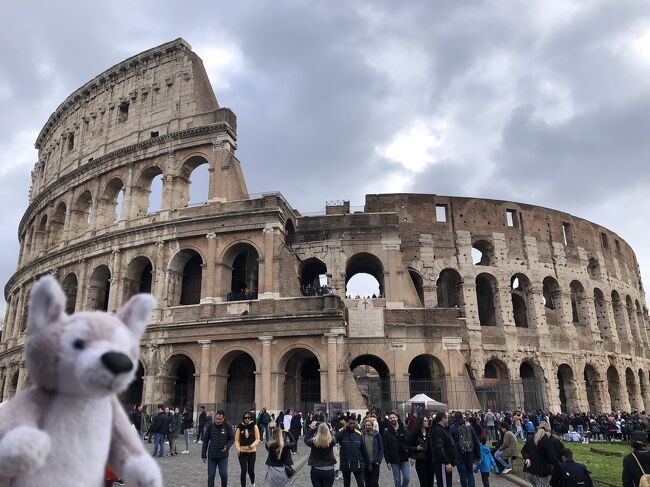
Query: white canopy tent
x=429, y=404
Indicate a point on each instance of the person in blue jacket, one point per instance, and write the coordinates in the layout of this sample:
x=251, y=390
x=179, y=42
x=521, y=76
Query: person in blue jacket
x=487, y=463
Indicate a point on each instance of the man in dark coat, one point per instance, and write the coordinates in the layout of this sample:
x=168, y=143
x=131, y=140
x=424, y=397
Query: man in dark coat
x=158, y=429
x=353, y=454
x=396, y=450
x=443, y=450
x=217, y=440
x=136, y=418
x=201, y=426
x=468, y=449
x=576, y=472
x=295, y=428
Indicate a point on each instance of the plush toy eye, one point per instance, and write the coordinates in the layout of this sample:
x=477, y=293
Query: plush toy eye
x=78, y=344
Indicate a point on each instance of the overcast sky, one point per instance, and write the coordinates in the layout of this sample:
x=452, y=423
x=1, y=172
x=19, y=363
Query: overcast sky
x=545, y=102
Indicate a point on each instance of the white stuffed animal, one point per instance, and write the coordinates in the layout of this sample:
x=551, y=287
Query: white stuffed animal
x=66, y=427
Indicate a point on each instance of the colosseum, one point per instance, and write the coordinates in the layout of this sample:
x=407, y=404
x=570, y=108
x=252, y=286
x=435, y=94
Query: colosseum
x=479, y=303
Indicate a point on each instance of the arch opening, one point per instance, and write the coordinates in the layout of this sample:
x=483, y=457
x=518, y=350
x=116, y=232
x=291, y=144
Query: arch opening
x=619, y=318
x=632, y=392
x=578, y=297
x=532, y=390
x=81, y=213
x=416, y=279
x=519, y=289
x=240, y=383
x=57, y=224
x=99, y=288
x=69, y=286
x=138, y=277
x=486, y=290
x=614, y=387
x=196, y=173
x=567, y=388
x=133, y=395
x=364, y=276
x=110, y=204
x=427, y=376
x=185, y=274
x=244, y=273
x=147, y=193
x=593, y=269
x=301, y=380
x=372, y=376
x=448, y=289
x=313, y=278
x=183, y=386
x=482, y=253
x=289, y=233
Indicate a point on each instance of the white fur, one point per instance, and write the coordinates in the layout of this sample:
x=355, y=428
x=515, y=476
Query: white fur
x=24, y=449
x=84, y=428
x=141, y=471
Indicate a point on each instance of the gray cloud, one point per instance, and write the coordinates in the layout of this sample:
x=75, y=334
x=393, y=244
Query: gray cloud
x=543, y=102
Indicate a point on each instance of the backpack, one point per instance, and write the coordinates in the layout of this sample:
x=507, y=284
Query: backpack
x=644, y=481
x=466, y=440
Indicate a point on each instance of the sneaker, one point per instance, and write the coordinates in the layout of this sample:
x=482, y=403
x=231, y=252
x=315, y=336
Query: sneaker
x=507, y=470
x=119, y=482
x=200, y=441
x=185, y=451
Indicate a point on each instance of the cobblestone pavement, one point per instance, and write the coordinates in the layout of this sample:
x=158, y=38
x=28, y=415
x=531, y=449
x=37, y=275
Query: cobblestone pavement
x=188, y=470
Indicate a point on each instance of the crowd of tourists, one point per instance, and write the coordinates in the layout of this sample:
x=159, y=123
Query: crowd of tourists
x=344, y=446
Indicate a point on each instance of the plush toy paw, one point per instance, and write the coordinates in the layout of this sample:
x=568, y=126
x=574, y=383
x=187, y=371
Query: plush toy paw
x=23, y=450
x=142, y=471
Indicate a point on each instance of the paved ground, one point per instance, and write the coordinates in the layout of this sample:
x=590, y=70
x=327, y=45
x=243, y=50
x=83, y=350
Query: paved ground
x=190, y=471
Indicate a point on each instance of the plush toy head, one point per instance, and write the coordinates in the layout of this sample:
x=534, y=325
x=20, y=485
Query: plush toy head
x=90, y=353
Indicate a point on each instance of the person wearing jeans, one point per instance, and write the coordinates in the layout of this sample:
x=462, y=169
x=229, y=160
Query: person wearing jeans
x=468, y=449
x=159, y=427
x=217, y=440
x=222, y=465
x=396, y=451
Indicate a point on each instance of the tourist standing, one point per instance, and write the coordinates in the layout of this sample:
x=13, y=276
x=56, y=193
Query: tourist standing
x=136, y=418
x=321, y=457
x=539, y=457
x=637, y=463
x=158, y=429
x=278, y=459
x=375, y=448
x=217, y=440
x=468, y=449
x=201, y=427
x=490, y=420
x=396, y=450
x=186, y=425
x=264, y=420
x=443, y=450
x=247, y=437
x=487, y=463
x=145, y=421
x=175, y=421
x=421, y=452
x=295, y=429
x=353, y=454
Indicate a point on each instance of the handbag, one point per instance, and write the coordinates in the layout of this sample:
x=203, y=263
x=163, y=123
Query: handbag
x=289, y=470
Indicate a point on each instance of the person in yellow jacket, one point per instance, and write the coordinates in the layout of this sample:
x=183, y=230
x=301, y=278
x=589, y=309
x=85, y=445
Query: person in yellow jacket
x=247, y=437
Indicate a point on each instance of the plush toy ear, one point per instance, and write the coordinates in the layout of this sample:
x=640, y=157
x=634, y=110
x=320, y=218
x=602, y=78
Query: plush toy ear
x=46, y=304
x=136, y=312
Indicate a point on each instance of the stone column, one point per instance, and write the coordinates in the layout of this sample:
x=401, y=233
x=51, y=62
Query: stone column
x=204, y=372
x=159, y=274
x=210, y=267
x=332, y=367
x=82, y=286
x=266, y=371
x=20, y=304
x=22, y=376
x=68, y=217
x=392, y=278
x=535, y=302
x=266, y=290
x=127, y=202
x=115, y=296
x=7, y=393
x=566, y=320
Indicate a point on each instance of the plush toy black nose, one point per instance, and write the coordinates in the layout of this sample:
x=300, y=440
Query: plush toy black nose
x=117, y=362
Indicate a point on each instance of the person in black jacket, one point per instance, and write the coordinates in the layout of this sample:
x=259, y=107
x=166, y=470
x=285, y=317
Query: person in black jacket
x=295, y=429
x=576, y=472
x=217, y=440
x=636, y=463
x=321, y=456
x=396, y=450
x=468, y=449
x=136, y=418
x=443, y=450
x=158, y=429
x=539, y=454
x=201, y=426
x=353, y=454
x=419, y=446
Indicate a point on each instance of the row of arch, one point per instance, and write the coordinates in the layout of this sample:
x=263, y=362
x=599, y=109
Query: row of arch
x=73, y=216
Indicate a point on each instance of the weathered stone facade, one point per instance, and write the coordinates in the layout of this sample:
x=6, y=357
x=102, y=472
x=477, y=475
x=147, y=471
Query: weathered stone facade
x=552, y=314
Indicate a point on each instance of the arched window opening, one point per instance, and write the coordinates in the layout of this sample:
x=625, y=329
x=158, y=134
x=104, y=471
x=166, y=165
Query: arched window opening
x=579, y=312
x=532, y=378
x=640, y=319
x=448, y=289
x=601, y=314
x=373, y=380
x=416, y=278
x=146, y=194
x=593, y=269
x=289, y=233
x=196, y=173
x=81, y=213
x=13, y=385
x=364, y=276
x=632, y=392
x=614, y=387
x=110, y=204
x=568, y=389
x=138, y=277
x=240, y=385
x=551, y=291
x=619, y=318
x=184, y=383
x=482, y=253
x=99, y=288
x=301, y=381
x=133, y=395
x=69, y=286
x=313, y=278
x=41, y=235
x=426, y=376
x=631, y=318
x=57, y=224
x=592, y=380
x=245, y=273
x=486, y=290
x=519, y=287
x=643, y=387
x=28, y=239
x=185, y=274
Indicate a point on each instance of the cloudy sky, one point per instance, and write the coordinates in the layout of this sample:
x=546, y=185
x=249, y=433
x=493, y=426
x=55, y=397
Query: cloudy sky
x=546, y=102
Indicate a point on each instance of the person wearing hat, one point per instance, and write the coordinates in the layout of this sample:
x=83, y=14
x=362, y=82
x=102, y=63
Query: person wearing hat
x=637, y=463
x=354, y=456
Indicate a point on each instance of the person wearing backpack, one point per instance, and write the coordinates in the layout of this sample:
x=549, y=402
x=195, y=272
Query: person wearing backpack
x=636, y=465
x=575, y=474
x=468, y=449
